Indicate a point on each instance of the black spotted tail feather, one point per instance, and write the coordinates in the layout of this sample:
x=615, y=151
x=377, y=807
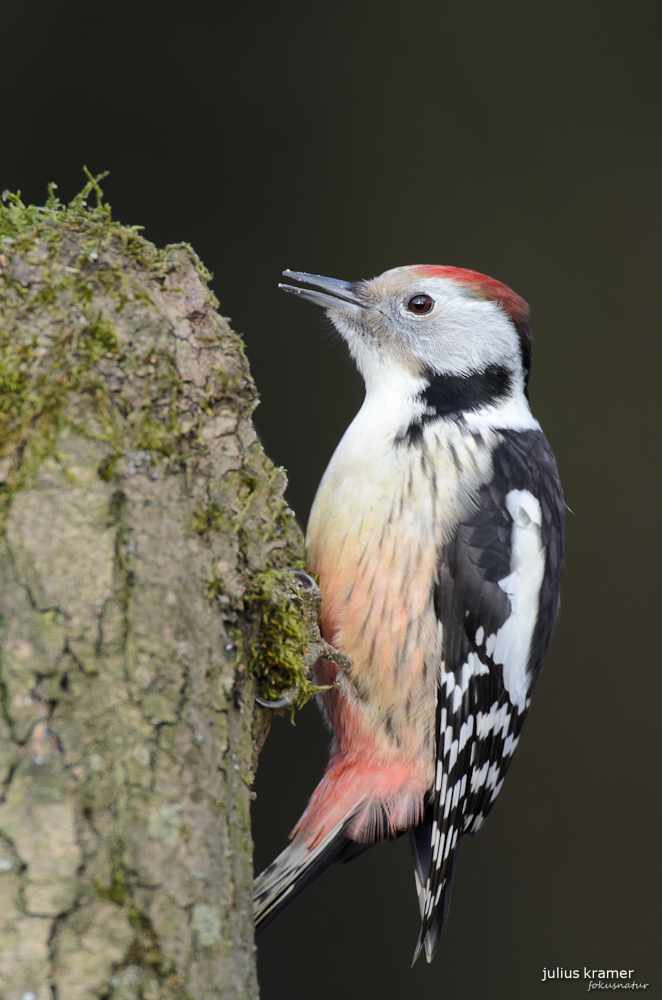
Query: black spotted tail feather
x=296, y=868
x=421, y=846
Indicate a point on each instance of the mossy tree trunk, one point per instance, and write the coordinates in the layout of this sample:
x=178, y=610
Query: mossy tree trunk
x=137, y=506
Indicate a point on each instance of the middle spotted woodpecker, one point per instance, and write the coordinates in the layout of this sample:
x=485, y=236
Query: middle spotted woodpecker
x=437, y=537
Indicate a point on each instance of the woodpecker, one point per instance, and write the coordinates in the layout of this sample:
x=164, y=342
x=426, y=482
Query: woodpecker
x=437, y=538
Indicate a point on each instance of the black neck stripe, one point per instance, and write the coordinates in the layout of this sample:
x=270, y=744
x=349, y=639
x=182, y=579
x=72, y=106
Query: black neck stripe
x=452, y=395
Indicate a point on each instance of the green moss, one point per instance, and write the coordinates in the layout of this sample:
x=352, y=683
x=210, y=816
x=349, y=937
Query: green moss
x=273, y=641
x=53, y=337
x=99, y=341
x=117, y=892
x=156, y=436
x=36, y=393
x=145, y=950
x=20, y=224
x=15, y=363
x=209, y=517
x=276, y=652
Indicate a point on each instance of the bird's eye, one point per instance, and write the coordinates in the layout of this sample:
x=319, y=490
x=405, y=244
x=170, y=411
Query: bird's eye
x=420, y=304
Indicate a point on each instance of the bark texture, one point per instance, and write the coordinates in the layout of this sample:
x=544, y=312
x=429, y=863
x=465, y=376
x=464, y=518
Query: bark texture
x=137, y=507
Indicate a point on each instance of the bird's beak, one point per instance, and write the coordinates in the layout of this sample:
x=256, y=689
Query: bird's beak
x=330, y=289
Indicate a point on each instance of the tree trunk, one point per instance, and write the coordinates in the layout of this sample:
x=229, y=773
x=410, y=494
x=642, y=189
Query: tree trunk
x=137, y=507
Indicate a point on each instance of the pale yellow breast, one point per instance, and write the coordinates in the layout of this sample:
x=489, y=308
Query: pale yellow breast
x=379, y=521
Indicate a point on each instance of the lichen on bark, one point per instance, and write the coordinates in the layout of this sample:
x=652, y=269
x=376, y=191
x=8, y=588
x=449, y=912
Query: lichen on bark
x=137, y=510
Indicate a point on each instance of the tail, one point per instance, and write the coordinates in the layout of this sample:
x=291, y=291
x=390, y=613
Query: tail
x=294, y=869
x=357, y=803
x=421, y=845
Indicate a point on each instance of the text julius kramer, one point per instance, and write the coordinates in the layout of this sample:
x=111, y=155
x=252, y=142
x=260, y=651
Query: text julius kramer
x=598, y=978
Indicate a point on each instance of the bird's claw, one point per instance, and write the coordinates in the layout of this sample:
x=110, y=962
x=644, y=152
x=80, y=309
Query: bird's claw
x=283, y=702
x=304, y=579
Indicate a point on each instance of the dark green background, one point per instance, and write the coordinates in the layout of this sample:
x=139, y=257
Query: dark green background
x=519, y=139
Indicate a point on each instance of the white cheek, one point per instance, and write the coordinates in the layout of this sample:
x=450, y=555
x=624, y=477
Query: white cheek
x=463, y=334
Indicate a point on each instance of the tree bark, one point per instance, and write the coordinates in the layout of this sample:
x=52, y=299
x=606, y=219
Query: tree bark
x=137, y=510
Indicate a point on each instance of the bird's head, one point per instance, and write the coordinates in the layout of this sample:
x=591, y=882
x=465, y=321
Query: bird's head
x=426, y=321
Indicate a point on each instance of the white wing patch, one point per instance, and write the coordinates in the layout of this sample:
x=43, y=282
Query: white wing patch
x=511, y=644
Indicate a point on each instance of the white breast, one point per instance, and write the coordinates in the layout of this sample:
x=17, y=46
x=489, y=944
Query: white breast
x=381, y=516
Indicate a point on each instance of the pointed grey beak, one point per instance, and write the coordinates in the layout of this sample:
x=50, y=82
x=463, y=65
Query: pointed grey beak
x=330, y=289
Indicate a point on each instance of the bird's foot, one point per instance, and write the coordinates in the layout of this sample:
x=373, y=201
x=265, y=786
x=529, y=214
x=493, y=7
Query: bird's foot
x=309, y=598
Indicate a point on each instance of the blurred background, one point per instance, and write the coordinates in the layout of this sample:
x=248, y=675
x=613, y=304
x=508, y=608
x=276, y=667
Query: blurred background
x=518, y=139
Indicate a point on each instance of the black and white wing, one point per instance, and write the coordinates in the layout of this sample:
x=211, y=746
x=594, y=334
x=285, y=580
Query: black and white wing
x=497, y=600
